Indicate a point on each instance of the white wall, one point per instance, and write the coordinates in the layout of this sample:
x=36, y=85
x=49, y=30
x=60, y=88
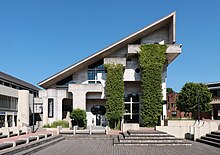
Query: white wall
x=23, y=107
x=7, y=91
x=57, y=95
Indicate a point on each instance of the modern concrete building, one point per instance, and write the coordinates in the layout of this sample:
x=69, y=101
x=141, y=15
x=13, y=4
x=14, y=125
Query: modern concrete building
x=214, y=87
x=16, y=101
x=82, y=85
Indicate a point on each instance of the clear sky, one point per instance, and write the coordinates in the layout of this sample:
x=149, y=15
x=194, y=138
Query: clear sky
x=38, y=38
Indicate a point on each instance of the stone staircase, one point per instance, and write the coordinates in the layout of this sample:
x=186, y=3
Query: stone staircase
x=148, y=138
x=211, y=139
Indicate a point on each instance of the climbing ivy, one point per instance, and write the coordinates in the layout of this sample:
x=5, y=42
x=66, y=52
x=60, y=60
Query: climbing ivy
x=114, y=94
x=151, y=59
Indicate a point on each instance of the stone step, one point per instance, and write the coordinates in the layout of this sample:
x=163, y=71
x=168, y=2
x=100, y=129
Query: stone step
x=116, y=142
x=127, y=136
x=211, y=139
x=216, y=132
x=208, y=142
x=146, y=133
x=213, y=135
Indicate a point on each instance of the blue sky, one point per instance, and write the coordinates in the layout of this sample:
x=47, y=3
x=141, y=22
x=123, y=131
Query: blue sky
x=39, y=38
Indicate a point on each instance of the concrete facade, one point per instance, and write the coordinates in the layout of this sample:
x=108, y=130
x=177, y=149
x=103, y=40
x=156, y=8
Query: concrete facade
x=85, y=80
x=16, y=101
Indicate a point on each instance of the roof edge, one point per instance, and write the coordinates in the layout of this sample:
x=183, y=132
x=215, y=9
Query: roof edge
x=173, y=14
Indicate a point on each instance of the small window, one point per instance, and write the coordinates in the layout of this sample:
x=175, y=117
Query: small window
x=173, y=113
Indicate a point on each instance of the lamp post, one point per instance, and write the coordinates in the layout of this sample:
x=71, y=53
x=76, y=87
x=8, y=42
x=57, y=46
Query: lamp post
x=33, y=113
x=198, y=106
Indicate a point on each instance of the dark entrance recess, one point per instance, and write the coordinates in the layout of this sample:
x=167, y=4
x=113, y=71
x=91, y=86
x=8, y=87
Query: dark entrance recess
x=66, y=106
x=99, y=111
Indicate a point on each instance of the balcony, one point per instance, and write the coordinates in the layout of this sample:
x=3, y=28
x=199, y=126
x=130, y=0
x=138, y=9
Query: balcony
x=171, y=53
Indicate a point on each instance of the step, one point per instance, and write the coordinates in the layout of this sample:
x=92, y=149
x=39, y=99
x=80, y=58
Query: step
x=5, y=145
x=20, y=142
x=213, y=135
x=208, y=142
x=13, y=134
x=116, y=142
x=211, y=139
x=33, y=147
x=3, y=136
x=145, y=133
x=216, y=132
x=127, y=136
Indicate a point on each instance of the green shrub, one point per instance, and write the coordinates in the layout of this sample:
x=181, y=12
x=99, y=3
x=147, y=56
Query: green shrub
x=114, y=94
x=47, y=126
x=151, y=59
x=62, y=123
x=79, y=116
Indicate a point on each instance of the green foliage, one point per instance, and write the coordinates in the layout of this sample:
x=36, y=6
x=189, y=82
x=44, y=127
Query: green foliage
x=114, y=94
x=192, y=94
x=46, y=126
x=62, y=123
x=79, y=116
x=151, y=59
x=170, y=90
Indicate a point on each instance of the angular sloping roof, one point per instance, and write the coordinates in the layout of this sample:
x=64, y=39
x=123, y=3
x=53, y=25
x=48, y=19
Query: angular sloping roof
x=17, y=81
x=170, y=19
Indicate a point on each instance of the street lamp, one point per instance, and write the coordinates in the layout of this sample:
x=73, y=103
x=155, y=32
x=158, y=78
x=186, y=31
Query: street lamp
x=198, y=106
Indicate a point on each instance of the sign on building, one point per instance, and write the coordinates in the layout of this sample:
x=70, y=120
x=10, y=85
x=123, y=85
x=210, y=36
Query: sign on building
x=50, y=108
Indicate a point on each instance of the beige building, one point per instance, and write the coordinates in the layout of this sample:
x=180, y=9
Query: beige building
x=82, y=85
x=16, y=101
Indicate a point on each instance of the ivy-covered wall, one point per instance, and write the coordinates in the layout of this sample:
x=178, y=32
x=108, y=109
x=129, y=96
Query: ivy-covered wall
x=151, y=59
x=114, y=94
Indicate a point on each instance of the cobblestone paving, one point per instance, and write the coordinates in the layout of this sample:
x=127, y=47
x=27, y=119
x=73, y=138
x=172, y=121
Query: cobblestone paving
x=105, y=147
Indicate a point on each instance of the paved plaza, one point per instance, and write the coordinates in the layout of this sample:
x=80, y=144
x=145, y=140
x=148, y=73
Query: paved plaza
x=105, y=147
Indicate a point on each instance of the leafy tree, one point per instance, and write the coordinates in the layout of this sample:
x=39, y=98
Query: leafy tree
x=151, y=59
x=169, y=90
x=79, y=116
x=114, y=94
x=193, y=94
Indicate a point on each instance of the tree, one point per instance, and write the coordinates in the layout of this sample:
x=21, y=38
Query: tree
x=79, y=116
x=151, y=59
x=114, y=94
x=169, y=90
x=194, y=96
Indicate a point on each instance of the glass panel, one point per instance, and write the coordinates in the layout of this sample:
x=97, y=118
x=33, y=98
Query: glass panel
x=135, y=108
x=127, y=108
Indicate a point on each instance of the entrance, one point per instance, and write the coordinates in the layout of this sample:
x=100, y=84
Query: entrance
x=99, y=111
x=67, y=106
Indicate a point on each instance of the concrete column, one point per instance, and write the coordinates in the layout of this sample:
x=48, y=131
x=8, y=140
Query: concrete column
x=13, y=120
x=6, y=120
x=212, y=113
x=23, y=107
x=79, y=100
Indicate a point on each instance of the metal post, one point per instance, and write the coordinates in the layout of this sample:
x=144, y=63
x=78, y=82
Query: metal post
x=198, y=107
x=33, y=113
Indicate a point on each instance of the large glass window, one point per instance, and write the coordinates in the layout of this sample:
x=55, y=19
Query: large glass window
x=93, y=70
x=8, y=103
x=131, y=114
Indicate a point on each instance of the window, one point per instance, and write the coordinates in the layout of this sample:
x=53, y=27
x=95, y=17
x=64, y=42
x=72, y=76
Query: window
x=94, y=69
x=8, y=103
x=174, y=113
x=172, y=105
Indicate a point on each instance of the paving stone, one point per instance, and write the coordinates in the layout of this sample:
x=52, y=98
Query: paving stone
x=105, y=147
